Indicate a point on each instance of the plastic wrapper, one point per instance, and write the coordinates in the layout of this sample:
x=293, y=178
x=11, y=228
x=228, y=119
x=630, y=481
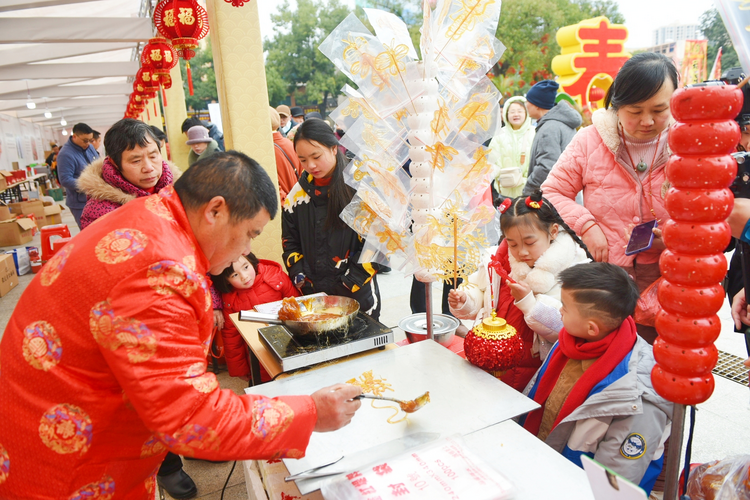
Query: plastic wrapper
x=436, y=112
x=376, y=68
x=727, y=479
x=648, y=305
x=445, y=469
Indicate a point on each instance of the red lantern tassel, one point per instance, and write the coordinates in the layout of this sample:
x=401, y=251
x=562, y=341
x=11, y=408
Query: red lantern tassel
x=148, y=115
x=155, y=113
x=189, y=77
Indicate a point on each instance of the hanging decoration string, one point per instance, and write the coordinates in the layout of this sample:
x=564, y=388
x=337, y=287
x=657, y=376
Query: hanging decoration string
x=189, y=77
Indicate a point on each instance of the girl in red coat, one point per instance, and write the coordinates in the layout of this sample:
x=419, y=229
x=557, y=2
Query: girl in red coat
x=243, y=285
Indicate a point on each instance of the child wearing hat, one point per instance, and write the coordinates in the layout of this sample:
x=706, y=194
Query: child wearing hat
x=201, y=145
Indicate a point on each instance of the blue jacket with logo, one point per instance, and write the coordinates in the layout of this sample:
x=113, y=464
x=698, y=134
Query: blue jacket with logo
x=71, y=161
x=623, y=423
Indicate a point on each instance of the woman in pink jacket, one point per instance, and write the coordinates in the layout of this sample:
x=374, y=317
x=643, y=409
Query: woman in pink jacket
x=619, y=163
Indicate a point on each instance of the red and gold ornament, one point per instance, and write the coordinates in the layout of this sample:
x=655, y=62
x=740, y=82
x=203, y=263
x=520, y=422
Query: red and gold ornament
x=184, y=22
x=696, y=235
x=494, y=346
x=161, y=56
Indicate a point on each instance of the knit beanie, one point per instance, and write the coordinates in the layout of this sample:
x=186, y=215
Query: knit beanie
x=543, y=94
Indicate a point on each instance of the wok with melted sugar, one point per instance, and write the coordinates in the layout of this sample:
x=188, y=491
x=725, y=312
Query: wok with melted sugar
x=321, y=315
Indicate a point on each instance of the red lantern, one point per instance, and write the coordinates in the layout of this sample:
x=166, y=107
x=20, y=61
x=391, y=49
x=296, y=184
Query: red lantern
x=696, y=235
x=237, y=3
x=146, y=81
x=184, y=22
x=596, y=94
x=159, y=55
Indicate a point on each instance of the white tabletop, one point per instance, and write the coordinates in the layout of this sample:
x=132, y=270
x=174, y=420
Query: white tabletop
x=463, y=398
x=537, y=471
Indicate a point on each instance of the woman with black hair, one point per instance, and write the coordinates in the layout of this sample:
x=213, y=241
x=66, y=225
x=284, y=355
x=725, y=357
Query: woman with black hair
x=619, y=163
x=321, y=252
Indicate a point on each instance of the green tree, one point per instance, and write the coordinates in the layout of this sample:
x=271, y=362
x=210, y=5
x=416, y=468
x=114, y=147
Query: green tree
x=293, y=52
x=204, y=78
x=714, y=30
x=277, y=87
x=528, y=28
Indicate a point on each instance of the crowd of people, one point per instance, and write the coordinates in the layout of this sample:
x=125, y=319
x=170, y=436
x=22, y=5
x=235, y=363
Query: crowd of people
x=571, y=295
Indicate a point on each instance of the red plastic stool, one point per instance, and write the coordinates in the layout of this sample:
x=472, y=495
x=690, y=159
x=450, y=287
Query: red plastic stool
x=59, y=230
x=59, y=243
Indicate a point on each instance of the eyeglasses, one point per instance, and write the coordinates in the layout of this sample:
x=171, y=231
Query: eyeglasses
x=84, y=140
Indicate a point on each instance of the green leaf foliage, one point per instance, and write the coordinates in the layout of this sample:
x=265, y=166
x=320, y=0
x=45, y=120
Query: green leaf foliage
x=528, y=28
x=204, y=78
x=714, y=30
x=293, y=55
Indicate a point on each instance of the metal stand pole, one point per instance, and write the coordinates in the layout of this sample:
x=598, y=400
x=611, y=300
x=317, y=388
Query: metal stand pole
x=428, y=309
x=675, y=453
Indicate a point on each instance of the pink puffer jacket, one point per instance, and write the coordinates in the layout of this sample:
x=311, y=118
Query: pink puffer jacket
x=611, y=192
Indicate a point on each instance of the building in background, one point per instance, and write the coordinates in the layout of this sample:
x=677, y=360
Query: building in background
x=676, y=32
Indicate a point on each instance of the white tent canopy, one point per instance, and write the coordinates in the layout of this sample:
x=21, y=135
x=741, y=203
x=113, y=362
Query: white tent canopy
x=74, y=58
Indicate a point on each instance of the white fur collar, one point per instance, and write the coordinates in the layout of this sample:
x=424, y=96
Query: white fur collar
x=562, y=253
x=606, y=123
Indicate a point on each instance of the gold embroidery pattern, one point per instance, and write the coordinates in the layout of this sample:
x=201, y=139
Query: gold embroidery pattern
x=290, y=453
x=4, y=464
x=150, y=485
x=190, y=438
x=114, y=332
x=152, y=447
x=120, y=245
x=51, y=271
x=201, y=380
x=155, y=205
x=42, y=348
x=66, y=428
x=271, y=418
x=104, y=489
x=168, y=277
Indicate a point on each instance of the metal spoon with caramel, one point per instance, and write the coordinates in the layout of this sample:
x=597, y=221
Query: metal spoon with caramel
x=409, y=406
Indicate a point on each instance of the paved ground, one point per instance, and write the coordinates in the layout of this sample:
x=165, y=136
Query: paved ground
x=721, y=426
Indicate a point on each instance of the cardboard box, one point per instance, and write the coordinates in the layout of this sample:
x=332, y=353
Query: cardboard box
x=5, y=212
x=16, y=232
x=35, y=207
x=52, y=215
x=8, y=276
x=5, y=179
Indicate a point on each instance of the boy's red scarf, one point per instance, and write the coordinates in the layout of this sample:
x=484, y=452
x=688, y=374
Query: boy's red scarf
x=610, y=350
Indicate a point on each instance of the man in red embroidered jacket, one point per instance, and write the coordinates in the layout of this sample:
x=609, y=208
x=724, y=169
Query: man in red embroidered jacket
x=104, y=359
